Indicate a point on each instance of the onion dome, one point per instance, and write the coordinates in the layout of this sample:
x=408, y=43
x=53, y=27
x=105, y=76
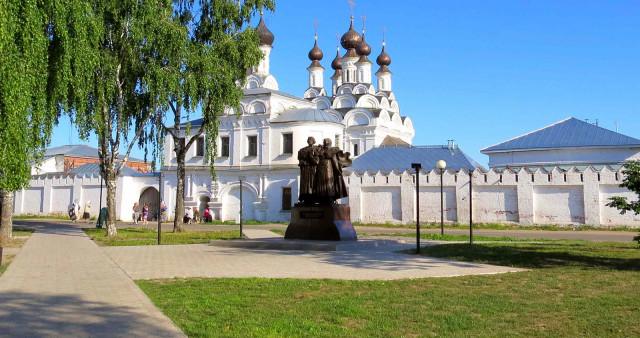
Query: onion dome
x=351, y=38
x=315, y=54
x=383, y=60
x=264, y=34
x=336, y=64
x=363, y=48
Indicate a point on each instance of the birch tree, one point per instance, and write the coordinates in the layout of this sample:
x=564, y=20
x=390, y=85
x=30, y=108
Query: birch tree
x=207, y=76
x=37, y=44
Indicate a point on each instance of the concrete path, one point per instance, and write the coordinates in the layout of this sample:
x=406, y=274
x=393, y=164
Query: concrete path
x=360, y=262
x=259, y=234
x=62, y=284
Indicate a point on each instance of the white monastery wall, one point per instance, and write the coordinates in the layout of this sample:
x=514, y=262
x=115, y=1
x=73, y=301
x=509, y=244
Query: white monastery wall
x=540, y=197
x=556, y=197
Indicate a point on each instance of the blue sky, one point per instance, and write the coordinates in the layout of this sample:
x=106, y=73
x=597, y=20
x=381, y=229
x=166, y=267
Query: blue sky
x=479, y=72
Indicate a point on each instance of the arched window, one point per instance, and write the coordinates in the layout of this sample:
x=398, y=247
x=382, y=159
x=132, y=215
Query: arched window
x=258, y=108
x=355, y=150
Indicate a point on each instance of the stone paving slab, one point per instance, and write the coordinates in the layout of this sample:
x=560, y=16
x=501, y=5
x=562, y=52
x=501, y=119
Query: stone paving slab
x=259, y=234
x=62, y=284
x=371, y=263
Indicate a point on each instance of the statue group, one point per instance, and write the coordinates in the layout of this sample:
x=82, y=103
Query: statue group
x=321, y=180
x=316, y=216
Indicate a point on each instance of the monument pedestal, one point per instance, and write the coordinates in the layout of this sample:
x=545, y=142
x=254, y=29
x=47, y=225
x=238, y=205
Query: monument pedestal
x=326, y=223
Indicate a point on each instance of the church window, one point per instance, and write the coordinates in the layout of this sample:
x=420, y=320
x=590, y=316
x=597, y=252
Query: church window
x=224, y=146
x=355, y=150
x=286, y=198
x=258, y=108
x=252, y=149
x=337, y=140
x=287, y=143
x=200, y=146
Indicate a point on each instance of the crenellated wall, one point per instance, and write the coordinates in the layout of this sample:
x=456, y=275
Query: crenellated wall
x=526, y=197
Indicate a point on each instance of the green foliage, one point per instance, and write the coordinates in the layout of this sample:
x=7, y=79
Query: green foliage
x=31, y=87
x=133, y=236
x=631, y=181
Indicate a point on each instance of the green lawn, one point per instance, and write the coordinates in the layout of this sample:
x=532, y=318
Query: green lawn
x=132, y=236
x=574, y=288
x=17, y=241
x=495, y=226
x=437, y=237
x=463, y=238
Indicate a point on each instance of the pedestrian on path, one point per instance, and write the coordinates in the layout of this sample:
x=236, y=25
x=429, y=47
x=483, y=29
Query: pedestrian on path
x=196, y=215
x=136, y=212
x=145, y=214
x=87, y=209
x=74, y=211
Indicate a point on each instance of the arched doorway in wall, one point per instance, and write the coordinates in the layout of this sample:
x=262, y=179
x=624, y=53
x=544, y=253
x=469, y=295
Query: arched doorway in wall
x=231, y=205
x=204, y=203
x=150, y=196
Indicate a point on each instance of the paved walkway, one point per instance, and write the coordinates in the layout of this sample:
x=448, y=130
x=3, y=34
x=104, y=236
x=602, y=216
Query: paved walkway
x=62, y=284
x=368, y=260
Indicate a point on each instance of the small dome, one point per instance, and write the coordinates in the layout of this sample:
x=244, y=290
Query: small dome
x=351, y=38
x=336, y=64
x=315, y=54
x=363, y=47
x=264, y=34
x=305, y=115
x=383, y=59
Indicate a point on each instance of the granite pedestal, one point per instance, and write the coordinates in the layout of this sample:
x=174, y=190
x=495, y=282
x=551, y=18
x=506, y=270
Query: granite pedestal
x=322, y=223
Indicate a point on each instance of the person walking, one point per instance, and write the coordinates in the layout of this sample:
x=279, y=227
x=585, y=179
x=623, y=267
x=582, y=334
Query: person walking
x=196, y=215
x=87, y=209
x=207, y=215
x=74, y=211
x=136, y=212
x=145, y=214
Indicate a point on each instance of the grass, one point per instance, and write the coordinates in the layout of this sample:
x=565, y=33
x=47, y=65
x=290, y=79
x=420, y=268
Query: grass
x=19, y=217
x=496, y=226
x=5, y=263
x=20, y=236
x=131, y=236
x=245, y=222
x=462, y=238
x=574, y=288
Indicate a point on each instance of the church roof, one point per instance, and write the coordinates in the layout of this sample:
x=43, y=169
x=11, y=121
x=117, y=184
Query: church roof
x=569, y=133
x=80, y=150
x=400, y=158
x=305, y=115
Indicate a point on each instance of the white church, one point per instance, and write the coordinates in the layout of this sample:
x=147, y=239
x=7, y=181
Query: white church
x=257, y=153
x=261, y=145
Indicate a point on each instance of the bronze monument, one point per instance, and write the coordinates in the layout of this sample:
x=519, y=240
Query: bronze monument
x=317, y=216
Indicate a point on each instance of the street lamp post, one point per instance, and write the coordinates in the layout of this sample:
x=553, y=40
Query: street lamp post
x=241, y=178
x=416, y=167
x=441, y=165
x=470, y=206
x=159, y=206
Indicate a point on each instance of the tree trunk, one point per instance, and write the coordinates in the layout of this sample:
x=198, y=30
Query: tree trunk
x=6, y=221
x=111, y=204
x=177, y=222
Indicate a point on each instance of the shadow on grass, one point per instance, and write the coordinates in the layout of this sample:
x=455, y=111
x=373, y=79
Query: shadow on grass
x=585, y=255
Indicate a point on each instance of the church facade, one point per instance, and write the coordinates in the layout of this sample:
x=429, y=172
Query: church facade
x=259, y=143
